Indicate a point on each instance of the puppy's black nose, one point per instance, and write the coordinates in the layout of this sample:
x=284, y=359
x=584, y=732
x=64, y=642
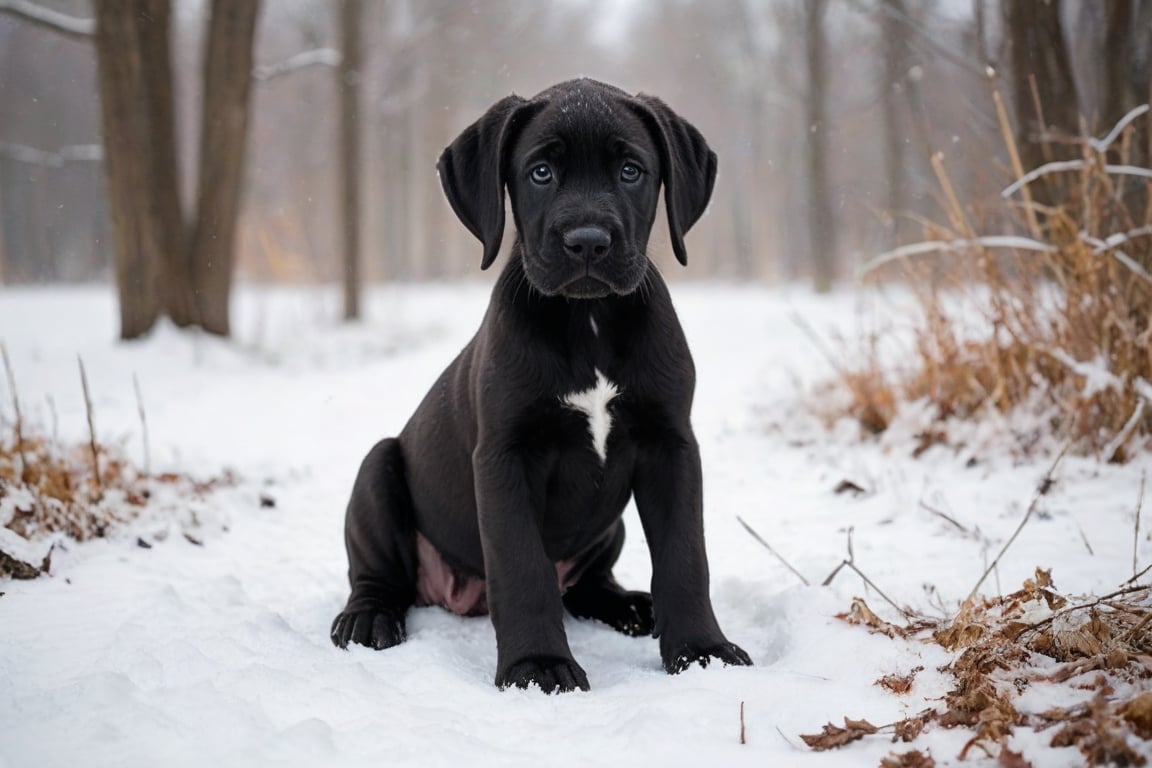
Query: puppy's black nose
x=590, y=243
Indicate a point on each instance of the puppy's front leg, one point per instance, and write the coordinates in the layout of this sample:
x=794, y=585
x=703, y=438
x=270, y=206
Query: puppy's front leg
x=523, y=594
x=669, y=496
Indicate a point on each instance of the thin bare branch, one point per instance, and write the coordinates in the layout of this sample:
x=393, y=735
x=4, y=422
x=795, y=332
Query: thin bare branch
x=91, y=428
x=1014, y=242
x=771, y=551
x=318, y=57
x=1101, y=145
x=89, y=153
x=849, y=562
x=1136, y=525
x=46, y=18
x=1063, y=166
x=1044, y=485
x=16, y=408
x=143, y=426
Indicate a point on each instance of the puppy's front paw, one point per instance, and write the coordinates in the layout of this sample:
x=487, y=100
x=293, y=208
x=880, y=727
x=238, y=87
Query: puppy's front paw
x=552, y=673
x=370, y=628
x=627, y=612
x=728, y=654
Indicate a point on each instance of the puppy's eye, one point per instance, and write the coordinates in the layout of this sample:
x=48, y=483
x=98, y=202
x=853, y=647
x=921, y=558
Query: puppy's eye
x=630, y=173
x=541, y=174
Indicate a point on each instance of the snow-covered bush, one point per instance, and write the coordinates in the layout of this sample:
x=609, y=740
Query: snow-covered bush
x=1054, y=317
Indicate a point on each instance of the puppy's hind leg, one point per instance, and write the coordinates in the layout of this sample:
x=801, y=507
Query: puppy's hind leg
x=597, y=595
x=380, y=536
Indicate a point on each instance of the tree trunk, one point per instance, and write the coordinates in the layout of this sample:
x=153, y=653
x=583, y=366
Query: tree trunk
x=1039, y=52
x=138, y=232
x=227, y=84
x=174, y=288
x=821, y=234
x=349, y=74
x=1114, y=102
x=894, y=41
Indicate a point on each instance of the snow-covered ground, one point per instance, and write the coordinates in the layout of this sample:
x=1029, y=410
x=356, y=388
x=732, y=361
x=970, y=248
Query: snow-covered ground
x=219, y=654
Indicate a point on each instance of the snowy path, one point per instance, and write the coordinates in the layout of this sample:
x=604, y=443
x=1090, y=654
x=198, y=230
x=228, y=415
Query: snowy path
x=188, y=655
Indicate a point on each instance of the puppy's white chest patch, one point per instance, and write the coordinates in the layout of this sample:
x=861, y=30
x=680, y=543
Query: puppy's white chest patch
x=593, y=403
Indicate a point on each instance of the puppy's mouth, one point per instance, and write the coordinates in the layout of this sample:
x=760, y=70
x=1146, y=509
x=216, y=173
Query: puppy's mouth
x=586, y=287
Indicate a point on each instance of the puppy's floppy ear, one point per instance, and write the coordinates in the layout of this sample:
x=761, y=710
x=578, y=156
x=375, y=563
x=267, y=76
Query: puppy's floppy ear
x=472, y=171
x=689, y=167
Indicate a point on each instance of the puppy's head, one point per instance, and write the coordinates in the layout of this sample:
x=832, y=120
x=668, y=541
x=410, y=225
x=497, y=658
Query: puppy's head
x=583, y=163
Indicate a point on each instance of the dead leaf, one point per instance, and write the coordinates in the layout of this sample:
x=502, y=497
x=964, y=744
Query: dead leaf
x=1138, y=713
x=913, y=759
x=899, y=684
x=847, y=486
x=860, y=613
x=833, y=737
x=1010, y=759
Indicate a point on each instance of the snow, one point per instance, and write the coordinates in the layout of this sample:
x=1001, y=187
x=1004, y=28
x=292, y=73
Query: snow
x=219, y=654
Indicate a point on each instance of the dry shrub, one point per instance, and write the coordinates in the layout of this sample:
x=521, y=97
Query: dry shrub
x=46, y=489
x=1058, y=315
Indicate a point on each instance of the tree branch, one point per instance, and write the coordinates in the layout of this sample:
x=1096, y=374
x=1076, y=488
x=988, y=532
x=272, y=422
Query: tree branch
x=46, y=18
x=319, y=57
x=77, y=152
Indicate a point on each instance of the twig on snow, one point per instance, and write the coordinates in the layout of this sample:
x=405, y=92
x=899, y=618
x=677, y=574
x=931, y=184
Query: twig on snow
x=91, y=428
x=1045, y=484
x=771, y=551
x=143, y=426
x=850, y=562
x=1136, y=525
x=16, y=408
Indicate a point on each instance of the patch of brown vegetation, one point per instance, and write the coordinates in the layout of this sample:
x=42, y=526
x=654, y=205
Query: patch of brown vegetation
x=1065, y=314
x=1005, y=644
x=82, y=491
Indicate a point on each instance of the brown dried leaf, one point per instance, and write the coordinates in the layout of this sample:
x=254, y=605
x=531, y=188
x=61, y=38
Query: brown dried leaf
x=1010, y=759
x=959, y=635
x=1138, y=713
x=860, y=613
x=908, y=729
x=847, y=486
x=1098, y=738
x=899, y=684
x=913, y=759
x=1071, y=669
x=833, y=737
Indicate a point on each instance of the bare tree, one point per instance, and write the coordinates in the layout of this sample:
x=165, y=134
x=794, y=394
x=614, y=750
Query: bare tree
x=894, y=43
x=349, y=74
x=227, y=85
x=1043, y=88
x=821, y=226
x=163, y=264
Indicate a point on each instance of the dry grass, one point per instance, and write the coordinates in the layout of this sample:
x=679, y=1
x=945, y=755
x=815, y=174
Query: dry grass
x=81, y=491
x=1058, y=313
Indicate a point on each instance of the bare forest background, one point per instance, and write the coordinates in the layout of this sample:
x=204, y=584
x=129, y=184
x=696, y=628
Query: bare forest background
x=826, y=115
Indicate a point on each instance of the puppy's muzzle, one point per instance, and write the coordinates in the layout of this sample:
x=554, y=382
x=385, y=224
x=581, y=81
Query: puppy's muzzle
x=587, y=245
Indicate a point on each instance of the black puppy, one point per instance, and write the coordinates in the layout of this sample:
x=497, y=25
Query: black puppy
x=504, y=492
